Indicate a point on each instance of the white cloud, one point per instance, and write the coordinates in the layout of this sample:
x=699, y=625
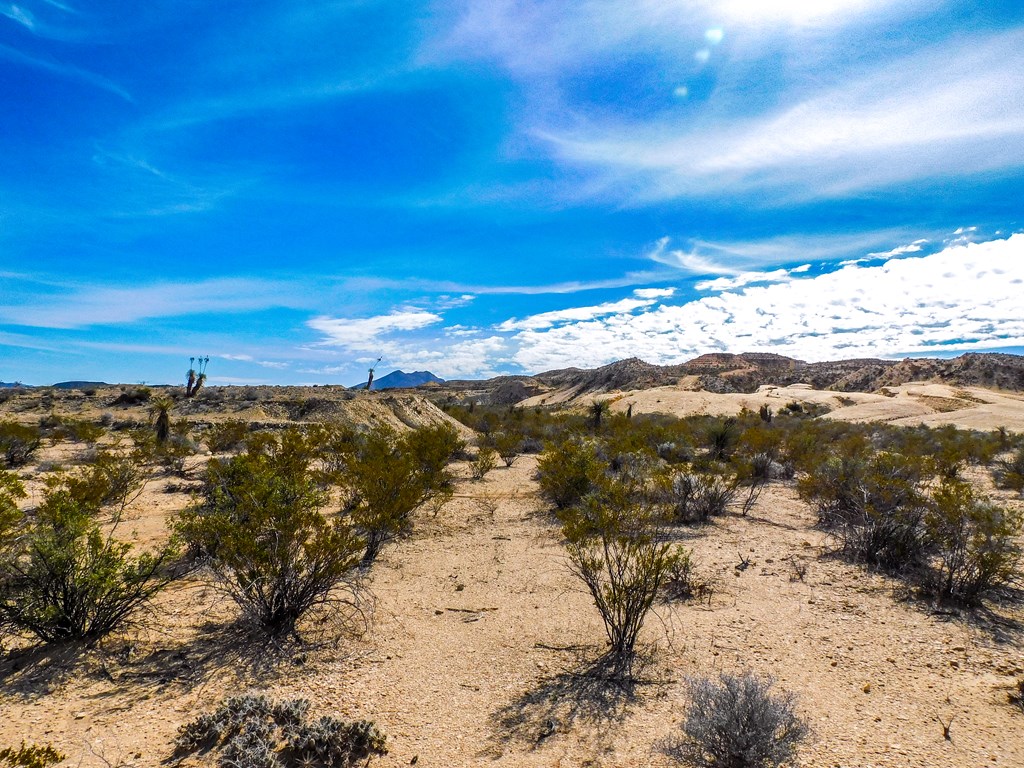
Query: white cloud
x=913, y=247
x=358, y=333
x=102, y=305
x=573, y=314
x=961, y=298
x=654, y=293
x=744, y=278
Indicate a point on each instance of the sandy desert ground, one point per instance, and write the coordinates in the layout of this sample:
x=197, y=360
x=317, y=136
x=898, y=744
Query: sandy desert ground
x=479, y=633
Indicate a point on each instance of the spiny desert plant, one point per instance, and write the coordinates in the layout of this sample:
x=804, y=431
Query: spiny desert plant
x=66, y=579
x=738, y=723
x=31, y=756
x=259, y=525
x=695, y=497
x=720, y=438
x=17, y=443
x=251, y=731
x=161, y=409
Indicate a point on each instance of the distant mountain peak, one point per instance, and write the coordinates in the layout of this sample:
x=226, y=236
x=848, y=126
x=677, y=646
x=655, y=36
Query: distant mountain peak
x=402, y=380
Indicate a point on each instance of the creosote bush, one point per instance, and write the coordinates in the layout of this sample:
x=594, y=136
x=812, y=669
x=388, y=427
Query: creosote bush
x=17, y=443
x=389, y=475
x=31, y=756
x=63, y=578
x=484, y=462
x=615, y=549
x=258, y=524
x=738, y=723
x=251, y=731
x=568, y=471
x=975, y=542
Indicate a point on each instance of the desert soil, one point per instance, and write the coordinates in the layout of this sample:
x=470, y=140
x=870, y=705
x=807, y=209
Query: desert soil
x=479, y=634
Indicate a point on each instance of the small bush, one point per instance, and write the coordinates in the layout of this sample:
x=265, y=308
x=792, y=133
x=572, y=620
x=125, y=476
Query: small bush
x=67, y=580
x=389, y=476
x=485, y=461
x=682, y=582
x=112, y=479
x=226, y=436
x=975, y=542
x=1009, y=473
x=568, y=471
x=615, y=549
x=507, y=446
x=258, y=522
x=738, y=723
x=11, y=489
x=254, y=732
x=695, y=498
x=31, y=756
x=17, y=443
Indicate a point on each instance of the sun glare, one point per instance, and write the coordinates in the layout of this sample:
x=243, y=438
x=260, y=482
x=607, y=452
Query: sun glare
x=798, y=12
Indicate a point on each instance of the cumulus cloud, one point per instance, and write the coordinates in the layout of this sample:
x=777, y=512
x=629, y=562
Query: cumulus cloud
x=962, y=298
x=750, y=278
x=913, y=247
x=644, y=297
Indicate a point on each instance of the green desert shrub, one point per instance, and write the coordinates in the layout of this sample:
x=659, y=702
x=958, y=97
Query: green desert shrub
x=615, y=548
x=738, y=723
x=258, y=524
x=59, y=428
x=389, y=475
x=111, y=479
x=569, y=470
x=251, y=731
x=18, y=442
x=975, y=542
x=31, y=756
x=485, y=460
x=507, y=446
x=226, y=436
x=66, y=579
x=11, y=489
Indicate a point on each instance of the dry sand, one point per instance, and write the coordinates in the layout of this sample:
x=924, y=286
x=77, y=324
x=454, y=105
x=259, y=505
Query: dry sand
x=905, y=405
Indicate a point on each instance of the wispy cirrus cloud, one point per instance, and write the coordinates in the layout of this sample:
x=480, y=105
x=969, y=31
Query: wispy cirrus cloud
x=66, y=71
x=926, y=116
x=67, y=306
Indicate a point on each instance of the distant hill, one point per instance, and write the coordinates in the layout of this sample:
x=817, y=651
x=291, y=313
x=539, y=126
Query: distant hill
x=402, y=380
x=10, y=385
x=724, y=373
x=79, y=384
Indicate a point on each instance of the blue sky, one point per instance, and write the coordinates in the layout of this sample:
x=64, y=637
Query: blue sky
x=473, y=188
